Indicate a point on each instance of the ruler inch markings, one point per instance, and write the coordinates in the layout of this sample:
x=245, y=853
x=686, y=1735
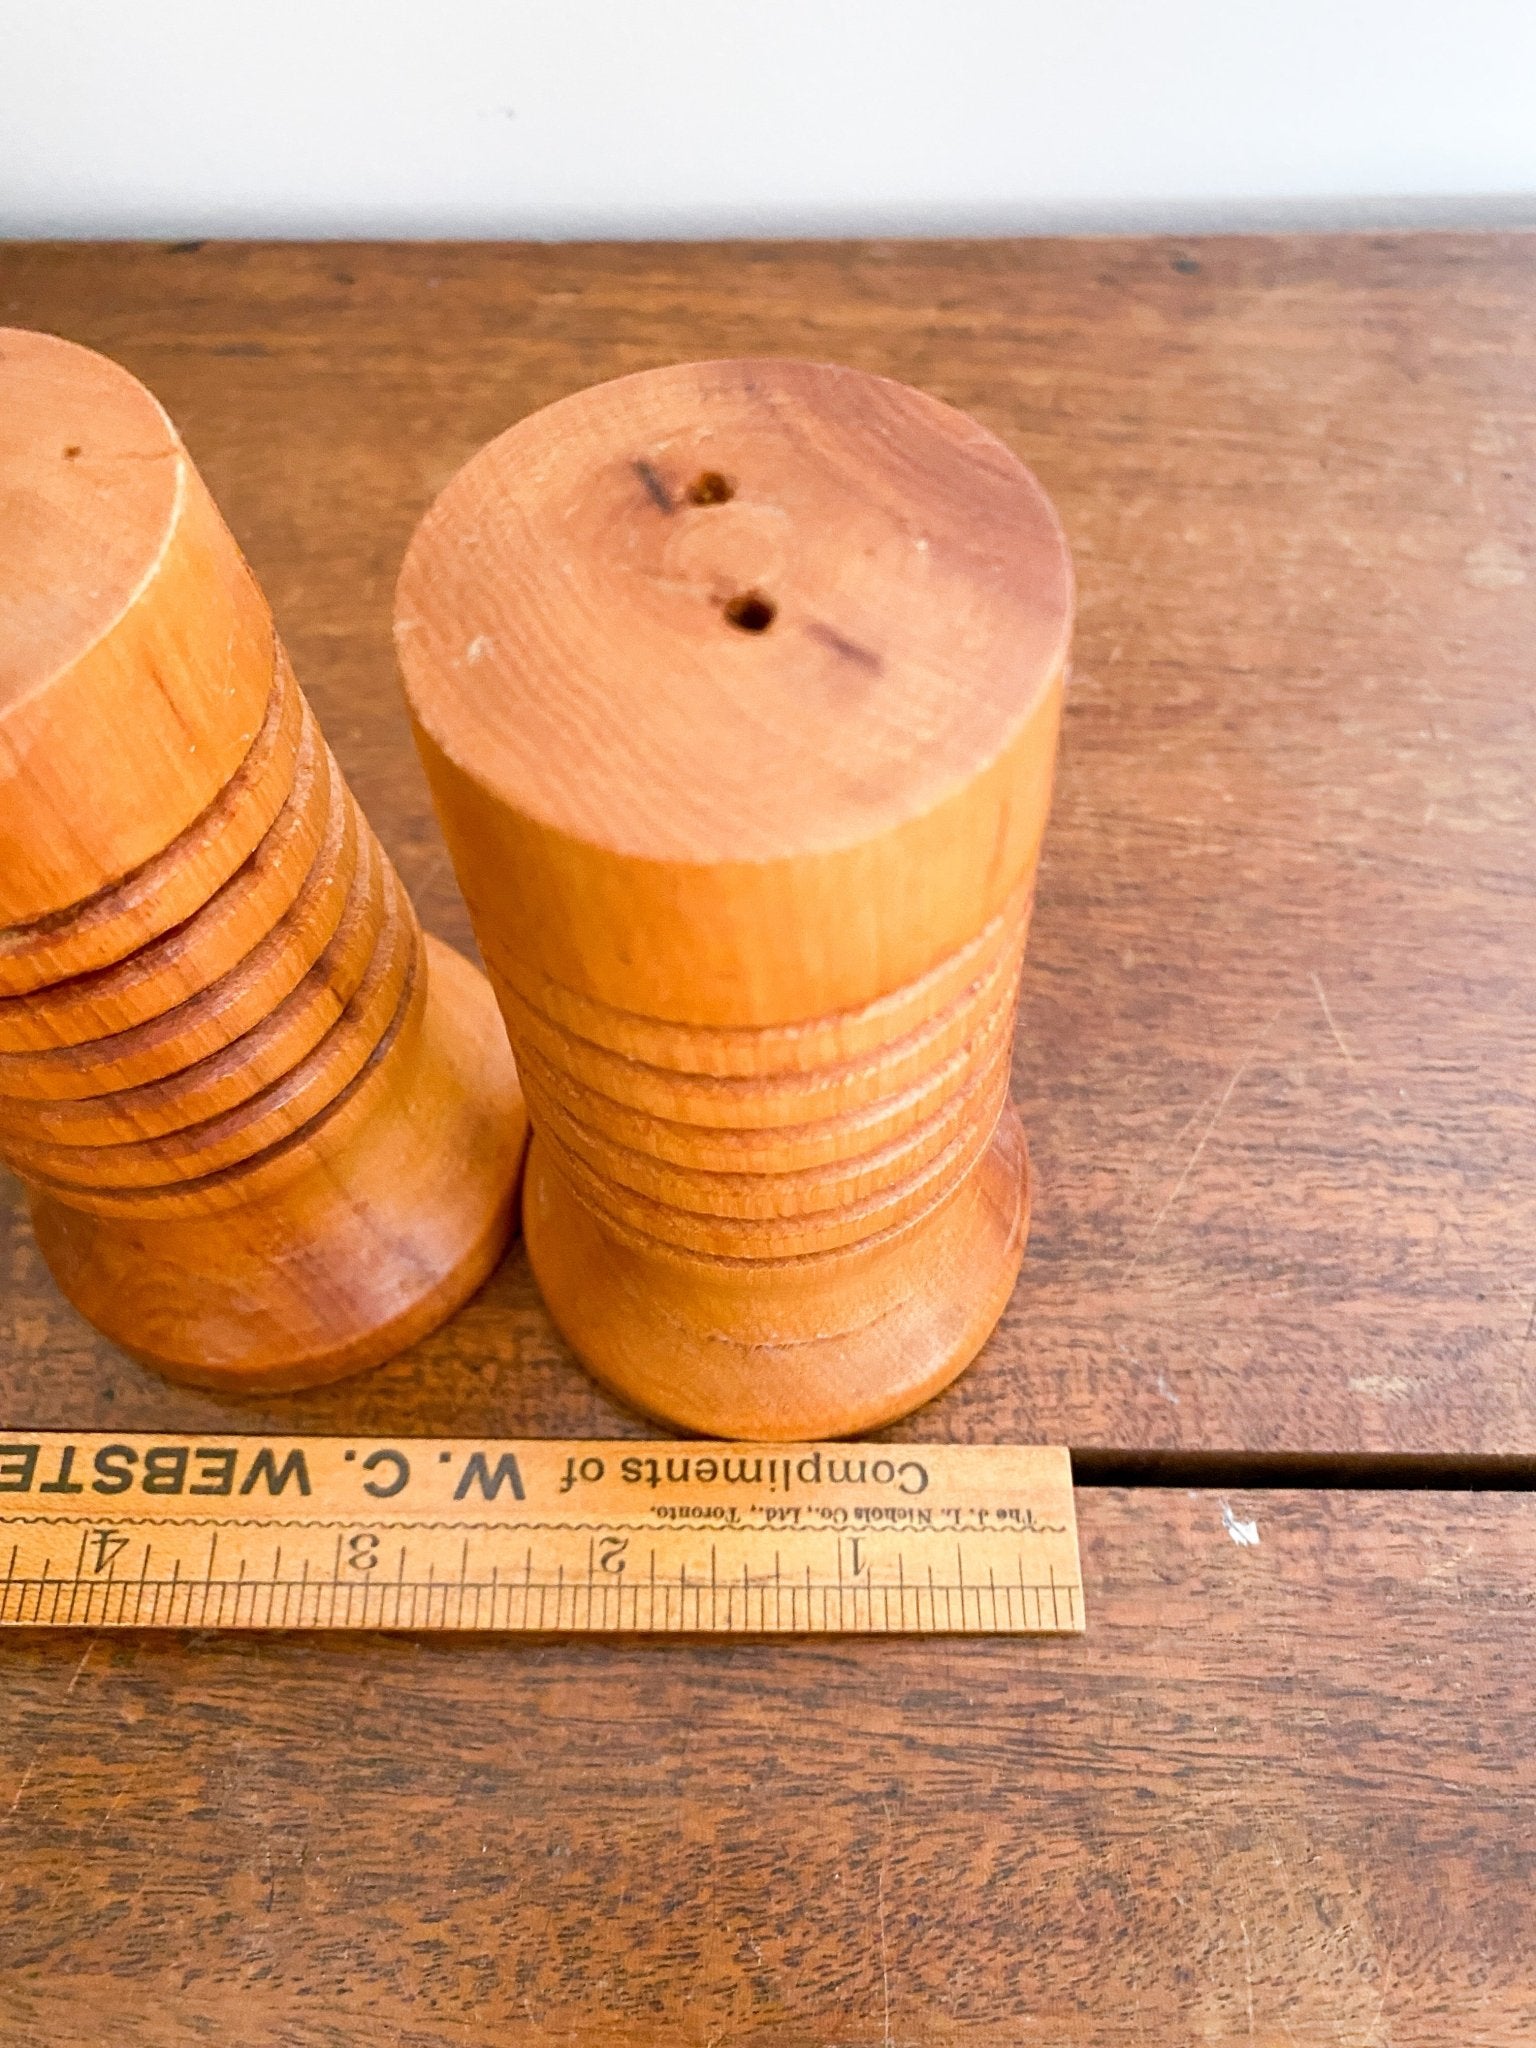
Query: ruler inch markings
x=579, y=1537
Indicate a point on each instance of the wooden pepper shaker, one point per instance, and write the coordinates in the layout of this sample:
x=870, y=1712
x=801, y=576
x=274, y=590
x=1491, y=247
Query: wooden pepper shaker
x=738, y=687
x=270, y=1134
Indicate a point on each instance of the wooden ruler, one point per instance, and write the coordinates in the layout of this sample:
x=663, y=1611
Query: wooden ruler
x=677, y=1538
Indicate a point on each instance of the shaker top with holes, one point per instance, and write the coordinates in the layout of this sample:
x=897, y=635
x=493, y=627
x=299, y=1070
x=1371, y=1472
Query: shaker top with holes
x=735, y=674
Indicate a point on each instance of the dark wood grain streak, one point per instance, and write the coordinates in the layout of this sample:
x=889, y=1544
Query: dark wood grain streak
x=1280, y=1793
x=1278, y=1049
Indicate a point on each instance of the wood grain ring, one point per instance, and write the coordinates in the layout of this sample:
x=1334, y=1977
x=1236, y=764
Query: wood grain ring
x=188, y=958
x=224, y=1010
x=775, y=1050
x=178, y=881
x=268, y=1117
x=265, y=1174
x=807, y=1191
x=783, y=1099
x=787, y=1237
x=240, y=1069
x=775, y=1148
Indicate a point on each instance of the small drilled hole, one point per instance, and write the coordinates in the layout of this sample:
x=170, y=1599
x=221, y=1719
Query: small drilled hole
x=709, y=487
x=751, y=611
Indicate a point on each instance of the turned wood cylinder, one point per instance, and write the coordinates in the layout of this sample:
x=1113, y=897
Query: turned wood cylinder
x=270, y=1134
x=738, y=688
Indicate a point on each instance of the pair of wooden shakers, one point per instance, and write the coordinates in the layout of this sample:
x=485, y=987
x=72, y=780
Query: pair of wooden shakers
x=737, y=686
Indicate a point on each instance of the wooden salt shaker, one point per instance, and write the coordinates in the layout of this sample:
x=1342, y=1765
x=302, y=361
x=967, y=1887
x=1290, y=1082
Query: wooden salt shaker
x=270, y=1134
x=738, y=687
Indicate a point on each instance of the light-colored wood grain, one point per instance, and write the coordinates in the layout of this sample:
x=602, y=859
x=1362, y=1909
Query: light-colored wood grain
x=721, y=827
x=177, y=882
x=779, y=1346
x=190, y=1055
x=780, y=1097
x=240, y=1069
x=271, y=1113
x=108, y=667
x=747, y=1187
x=770, y=1146
x=779, y=1216
x=765, y=1053
x=198, y=951
x=357, y=1235
x=230, y=1005
x=738, y=686
x=539, y=1535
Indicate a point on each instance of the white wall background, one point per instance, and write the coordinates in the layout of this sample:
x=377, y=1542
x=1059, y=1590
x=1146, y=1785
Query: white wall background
x=694, y=117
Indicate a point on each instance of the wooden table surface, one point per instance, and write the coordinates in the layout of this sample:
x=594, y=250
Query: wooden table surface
x=1276, y=1059
x=1277, y=1055
x=1281, y=1794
